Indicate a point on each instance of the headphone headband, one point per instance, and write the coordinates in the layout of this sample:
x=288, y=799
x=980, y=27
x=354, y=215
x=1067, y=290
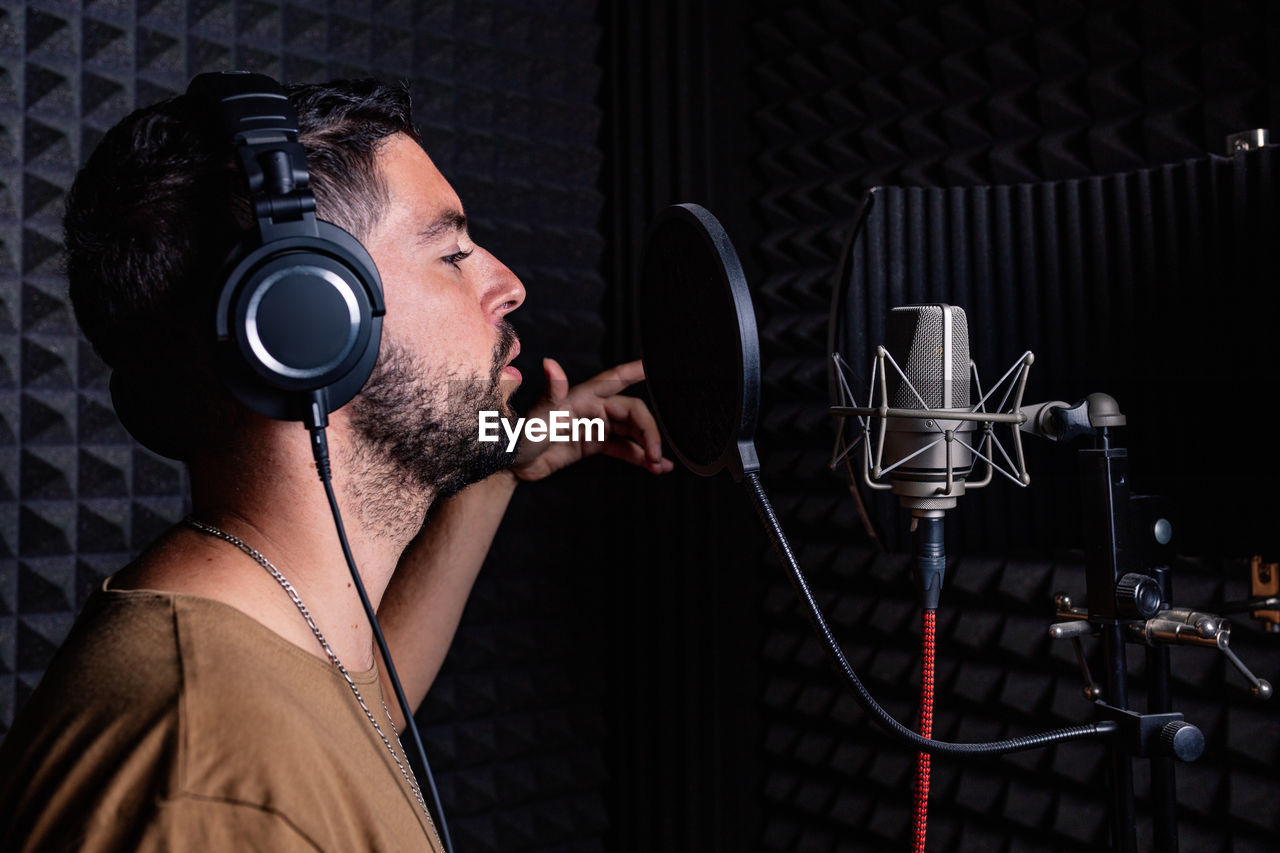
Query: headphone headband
x=254, y=114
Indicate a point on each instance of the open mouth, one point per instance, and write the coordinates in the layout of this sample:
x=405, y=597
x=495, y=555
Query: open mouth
x=509, y=372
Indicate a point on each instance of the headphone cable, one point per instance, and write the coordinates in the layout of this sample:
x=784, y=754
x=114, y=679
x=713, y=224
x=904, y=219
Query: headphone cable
x=320, y=451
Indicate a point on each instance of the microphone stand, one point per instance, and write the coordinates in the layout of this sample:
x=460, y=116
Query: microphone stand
x=1126, y=573
x=1128, y=592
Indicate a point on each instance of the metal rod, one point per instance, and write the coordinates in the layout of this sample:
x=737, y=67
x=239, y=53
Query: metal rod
x=907, y=459
x=937, y=414
x=986, y=480
x=1023, y=363
x=1164, y=792
x=1104, y=480
x=881, y=353
x=950, y=469
x=1123, y=817
x=1262, y=602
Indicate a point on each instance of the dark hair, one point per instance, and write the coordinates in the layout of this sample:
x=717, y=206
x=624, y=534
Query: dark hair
x=152, y=217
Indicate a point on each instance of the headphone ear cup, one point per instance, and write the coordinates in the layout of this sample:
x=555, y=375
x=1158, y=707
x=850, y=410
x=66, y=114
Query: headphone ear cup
x=299, y=315
x=156, y=425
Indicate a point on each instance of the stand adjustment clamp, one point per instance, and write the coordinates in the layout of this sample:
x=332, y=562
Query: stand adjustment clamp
x=1182, y=626
x=1147, y=735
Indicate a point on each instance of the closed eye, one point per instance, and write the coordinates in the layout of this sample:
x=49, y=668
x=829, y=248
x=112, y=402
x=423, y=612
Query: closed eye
x=456, y=259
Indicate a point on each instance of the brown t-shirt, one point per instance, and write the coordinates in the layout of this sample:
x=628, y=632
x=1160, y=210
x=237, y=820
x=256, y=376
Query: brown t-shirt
x=174, y=722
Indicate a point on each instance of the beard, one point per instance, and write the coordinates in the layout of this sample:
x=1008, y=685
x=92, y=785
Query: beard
x=419, y=432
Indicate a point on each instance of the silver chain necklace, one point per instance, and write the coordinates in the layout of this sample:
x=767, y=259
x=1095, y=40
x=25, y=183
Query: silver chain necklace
x=324, y=644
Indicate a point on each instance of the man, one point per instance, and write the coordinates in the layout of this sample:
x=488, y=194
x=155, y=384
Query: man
x=222, y=692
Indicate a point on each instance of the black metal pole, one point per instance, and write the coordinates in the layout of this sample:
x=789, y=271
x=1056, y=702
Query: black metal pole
x=1108, y=556
x=1164, y=793
x=1123, y=812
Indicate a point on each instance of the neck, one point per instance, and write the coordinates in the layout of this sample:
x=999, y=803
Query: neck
x=270, y=497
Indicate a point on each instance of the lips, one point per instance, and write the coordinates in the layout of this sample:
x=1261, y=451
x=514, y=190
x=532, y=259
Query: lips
x=505, y=350
x=510, y=371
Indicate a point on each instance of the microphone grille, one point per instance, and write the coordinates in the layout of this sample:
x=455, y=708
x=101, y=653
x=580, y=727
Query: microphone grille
x=935, y=342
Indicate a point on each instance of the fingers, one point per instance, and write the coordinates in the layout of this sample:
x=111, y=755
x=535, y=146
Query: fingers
x=632, y=453
x=557, y=381
x=615, y=379
x=635, y=436
x=630, y=416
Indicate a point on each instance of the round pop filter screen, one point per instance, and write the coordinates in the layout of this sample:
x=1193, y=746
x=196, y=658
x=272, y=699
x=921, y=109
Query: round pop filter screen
x=698, y=336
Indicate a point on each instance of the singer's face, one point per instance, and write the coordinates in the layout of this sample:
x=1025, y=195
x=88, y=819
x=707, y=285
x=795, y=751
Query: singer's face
x=446, y=296
x=446, y=345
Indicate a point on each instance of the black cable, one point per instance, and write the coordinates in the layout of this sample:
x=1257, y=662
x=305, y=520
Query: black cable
x=1101, y=729
x=320, y=451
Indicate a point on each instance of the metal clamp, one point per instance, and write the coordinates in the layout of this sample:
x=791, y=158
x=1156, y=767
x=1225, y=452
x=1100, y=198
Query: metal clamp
x=1182, y=626
x=1148, y=735
x=1247, y=140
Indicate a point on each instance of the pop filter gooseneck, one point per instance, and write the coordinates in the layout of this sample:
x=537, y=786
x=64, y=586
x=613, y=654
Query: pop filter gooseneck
x=702, y=363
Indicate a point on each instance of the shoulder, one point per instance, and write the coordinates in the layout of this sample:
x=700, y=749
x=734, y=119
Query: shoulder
x=119, y=659
x=144, y=681
x=100, y=728
x=121, y=651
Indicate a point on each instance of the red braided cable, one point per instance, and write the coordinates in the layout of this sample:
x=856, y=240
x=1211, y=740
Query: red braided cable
x=928, y=624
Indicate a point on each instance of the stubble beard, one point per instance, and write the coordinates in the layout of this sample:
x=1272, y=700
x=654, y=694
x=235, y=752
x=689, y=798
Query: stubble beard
x=418, y=432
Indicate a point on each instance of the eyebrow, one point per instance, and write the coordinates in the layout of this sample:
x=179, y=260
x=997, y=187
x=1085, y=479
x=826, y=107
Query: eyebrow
x=451, y=221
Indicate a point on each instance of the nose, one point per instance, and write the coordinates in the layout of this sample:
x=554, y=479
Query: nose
x=503, y=291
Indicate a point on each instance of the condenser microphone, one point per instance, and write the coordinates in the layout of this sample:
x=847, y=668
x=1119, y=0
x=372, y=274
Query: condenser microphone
x=930, y=345
x=927, y=421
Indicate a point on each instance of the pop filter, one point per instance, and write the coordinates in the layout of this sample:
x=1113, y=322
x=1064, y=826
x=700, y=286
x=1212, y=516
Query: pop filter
x=698, y=339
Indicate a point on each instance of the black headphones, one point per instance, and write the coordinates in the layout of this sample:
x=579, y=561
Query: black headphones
x=298, y=316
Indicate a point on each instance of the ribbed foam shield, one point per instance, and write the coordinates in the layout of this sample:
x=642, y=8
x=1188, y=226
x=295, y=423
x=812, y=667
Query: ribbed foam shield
x=931, y=345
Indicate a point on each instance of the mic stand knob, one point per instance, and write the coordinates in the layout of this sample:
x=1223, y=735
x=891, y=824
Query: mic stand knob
x=1137, y=596
x=1181, y=740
